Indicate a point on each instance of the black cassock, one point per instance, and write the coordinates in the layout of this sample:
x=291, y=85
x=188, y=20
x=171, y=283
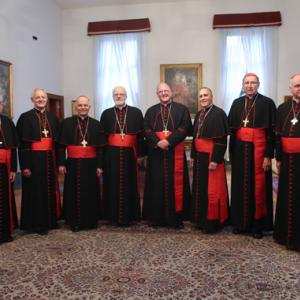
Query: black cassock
x=246, y=215
x=82, y=197
x=8, y=163
x=287, y=218
x=40, y=207
x=120, y=188
x=210, y=207
x=166, y=202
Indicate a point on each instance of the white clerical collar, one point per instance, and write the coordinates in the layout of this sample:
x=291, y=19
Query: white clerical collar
x=40, y=110
x=166, y=104
x=82, y=117
x=209, y=106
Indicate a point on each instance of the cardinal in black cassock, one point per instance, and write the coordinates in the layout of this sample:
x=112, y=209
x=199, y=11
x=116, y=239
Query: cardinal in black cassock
x=122, y=127
x=80, y=162
x=287, y=220
x=8, y=167
x=251, y=121
x=167, y=190
x=210, y=206
x=37, y=129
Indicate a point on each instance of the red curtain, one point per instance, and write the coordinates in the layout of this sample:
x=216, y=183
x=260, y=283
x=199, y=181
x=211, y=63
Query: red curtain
x=247, y=20
x=118, y=26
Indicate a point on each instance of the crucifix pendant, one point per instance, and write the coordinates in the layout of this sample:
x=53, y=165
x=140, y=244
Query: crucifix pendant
x=122, y=134
x=84, y=143
x=245, y=121
x=294, y=121
x=45, y=132
x=165, y=131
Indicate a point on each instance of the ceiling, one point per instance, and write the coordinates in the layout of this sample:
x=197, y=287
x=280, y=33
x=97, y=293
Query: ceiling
x=69, y=4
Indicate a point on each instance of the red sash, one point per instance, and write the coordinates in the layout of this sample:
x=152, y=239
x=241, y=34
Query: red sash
x=290, y=145
x=257, y=136
x=127, y=141
x=5, y=158
x=178, y=170
x=45, y=144
x=217, y=185
x=81, y=152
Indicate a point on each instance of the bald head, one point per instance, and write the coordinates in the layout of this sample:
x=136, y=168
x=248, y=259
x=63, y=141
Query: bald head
x=205, y=97
x=295, y=86
x=164, y=92
x=83, y=105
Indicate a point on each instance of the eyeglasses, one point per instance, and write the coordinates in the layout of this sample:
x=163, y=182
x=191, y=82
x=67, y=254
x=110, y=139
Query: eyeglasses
x=116, y=95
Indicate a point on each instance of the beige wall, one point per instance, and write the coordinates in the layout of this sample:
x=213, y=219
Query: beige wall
x=62, y=59
x=34, y=63
x=181, y=32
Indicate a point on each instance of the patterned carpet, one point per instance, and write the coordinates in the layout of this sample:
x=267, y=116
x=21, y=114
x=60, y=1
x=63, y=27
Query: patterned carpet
x=145, y=263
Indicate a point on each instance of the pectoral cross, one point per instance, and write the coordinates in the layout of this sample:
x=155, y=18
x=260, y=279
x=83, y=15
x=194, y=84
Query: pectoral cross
x=245, y=121
x=122, y=134
x=84, y=143
x=294, y=121
x=165, y=131
x=45, y=132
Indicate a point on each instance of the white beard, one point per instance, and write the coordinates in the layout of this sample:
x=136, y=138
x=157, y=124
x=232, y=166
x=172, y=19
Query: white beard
x=119, y=102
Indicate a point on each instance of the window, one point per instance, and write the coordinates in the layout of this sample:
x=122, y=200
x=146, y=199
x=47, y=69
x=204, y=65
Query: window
x=243, y=50
x=118, y=63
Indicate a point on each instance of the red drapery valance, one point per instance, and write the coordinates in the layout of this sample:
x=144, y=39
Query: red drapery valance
x=118, y=26
x=272, y=18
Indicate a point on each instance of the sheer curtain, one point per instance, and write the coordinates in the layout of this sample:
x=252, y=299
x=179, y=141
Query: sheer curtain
x=118, y=62
x=243, y=50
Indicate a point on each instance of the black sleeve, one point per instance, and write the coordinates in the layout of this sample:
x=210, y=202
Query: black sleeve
x=61, y=155
x=270, y=143
x=184, y=129
x=141, y=143
x=151, y=137
x=278, y=149
x=220, y=145
x=13, y=162
x=99, y=152
x=232, y=141
x=25, y=155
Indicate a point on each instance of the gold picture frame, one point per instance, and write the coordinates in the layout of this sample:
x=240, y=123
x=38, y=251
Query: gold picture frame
x=287, y=98
x=185, y=81
x=6, y=87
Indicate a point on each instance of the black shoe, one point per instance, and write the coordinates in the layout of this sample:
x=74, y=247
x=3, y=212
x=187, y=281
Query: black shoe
x=42, y=232
x=293, y=247
x=94, y=226
x=7, y=239
x=258, y=235
x=75, y=228
x=209, y=231
x=179, y=225
x=237, y=231
x=56, y=226
x=153, y=225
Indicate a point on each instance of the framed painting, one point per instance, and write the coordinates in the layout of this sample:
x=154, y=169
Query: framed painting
x=185, y=81
x=73, y=108
x=6, y=87
x=287, y=98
